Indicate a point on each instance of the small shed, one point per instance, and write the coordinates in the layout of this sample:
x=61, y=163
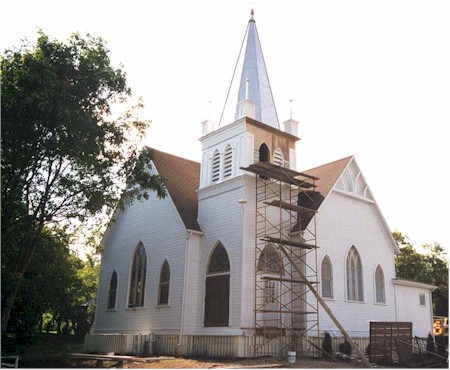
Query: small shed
x=390, y=342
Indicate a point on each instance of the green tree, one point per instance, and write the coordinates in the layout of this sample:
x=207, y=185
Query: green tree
x=48, y=286
x=63, y=155
x=430, y=267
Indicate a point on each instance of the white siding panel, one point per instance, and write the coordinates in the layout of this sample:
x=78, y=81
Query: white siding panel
x=157, y=224
x=220, y=218
x=343, y=221
x=409, y=309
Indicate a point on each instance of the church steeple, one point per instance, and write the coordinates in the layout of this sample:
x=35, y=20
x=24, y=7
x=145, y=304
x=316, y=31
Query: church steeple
x=255, y=98
x=254, y=83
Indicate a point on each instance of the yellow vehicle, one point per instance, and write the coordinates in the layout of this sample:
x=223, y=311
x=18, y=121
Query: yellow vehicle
x=440, y=326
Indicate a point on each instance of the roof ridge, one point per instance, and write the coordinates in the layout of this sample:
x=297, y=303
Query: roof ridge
x=347, y=159
x=170, y=154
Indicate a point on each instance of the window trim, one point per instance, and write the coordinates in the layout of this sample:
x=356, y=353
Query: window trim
x=378, y=270
x=326, y=259
x=164, y=284
x=138, y=275
x=354, y=276
x=110, y=291
x=212, y=276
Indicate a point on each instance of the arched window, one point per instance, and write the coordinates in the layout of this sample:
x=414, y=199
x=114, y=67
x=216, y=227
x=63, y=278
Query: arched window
x=278, y=158
x=112, y=293
x=228, y=162
x=379, y=285
x=164, y=284
x=215, y=174
x=327, y=278
x=264, y=153
x=217, y=295
x=354, y=276
x=137, y=280
x=269, y=261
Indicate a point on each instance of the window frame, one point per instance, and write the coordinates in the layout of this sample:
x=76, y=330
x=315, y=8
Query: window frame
x=138, y=274
x=164, y=285
x=111, y=303
x=354, y=276
x=422, y=300
x=380, y=286
x=329, y=279
x=217, y=289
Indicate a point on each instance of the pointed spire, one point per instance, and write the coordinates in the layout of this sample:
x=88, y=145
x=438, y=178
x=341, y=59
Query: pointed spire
x=254, y=71
x=254, y=87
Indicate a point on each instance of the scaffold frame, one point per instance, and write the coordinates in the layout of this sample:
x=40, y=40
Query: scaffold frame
x=283, y=316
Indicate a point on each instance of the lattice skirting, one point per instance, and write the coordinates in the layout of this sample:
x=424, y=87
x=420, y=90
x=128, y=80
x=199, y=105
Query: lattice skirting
x=201, y=345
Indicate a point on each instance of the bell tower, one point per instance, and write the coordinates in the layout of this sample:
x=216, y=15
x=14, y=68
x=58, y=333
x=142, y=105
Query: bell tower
x=241, y=160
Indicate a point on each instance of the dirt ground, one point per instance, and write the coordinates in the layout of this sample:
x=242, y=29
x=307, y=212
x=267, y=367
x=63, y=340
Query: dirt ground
x=262, y=363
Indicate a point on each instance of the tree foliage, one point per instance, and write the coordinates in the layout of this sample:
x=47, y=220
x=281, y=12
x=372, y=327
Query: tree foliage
x=64, y=156
x=430, y=267
x=58, y=289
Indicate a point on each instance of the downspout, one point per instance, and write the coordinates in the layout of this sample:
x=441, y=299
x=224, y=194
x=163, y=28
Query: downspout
x=430, y=294
x=186, y=256
x=395, y=302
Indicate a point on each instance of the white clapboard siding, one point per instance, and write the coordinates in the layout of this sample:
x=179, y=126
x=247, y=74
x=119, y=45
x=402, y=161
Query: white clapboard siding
x=158, y=226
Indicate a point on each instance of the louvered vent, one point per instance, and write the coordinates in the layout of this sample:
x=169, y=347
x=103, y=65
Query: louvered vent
x=278, y=157
x=216, y=166
x=228, y=162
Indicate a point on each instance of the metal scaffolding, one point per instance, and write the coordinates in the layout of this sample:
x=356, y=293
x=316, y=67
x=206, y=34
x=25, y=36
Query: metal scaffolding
x=285, y=235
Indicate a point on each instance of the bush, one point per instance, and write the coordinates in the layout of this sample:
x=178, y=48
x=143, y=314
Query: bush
x=345, y=348
x=326, y=343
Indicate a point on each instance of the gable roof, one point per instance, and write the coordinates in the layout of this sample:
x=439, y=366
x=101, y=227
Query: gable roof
x=327, y=174
x=182, y=178
x=334, y=175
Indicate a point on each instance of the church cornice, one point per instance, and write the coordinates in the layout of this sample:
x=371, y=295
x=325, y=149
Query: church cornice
x=271, y=129
x=224, y=133
x=221, y=187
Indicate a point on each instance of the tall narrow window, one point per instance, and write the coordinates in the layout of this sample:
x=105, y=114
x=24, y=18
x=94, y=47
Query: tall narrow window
x=327, y=278
x=264, y=154
x=112, y=293
x=137, y=280
x=228, y=162
x=354, y=276
x=379, y=285
x=278, y=158
x=217, y=296
x=215, y=174
x=164, y=284
x=269, y=261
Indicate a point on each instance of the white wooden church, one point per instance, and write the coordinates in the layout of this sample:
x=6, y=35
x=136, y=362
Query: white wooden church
x=230, y=262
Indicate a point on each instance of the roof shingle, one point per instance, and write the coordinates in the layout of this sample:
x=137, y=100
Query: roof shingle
x=182, y=178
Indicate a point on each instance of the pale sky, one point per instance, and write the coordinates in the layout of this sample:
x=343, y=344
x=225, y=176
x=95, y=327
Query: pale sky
x=367, y=78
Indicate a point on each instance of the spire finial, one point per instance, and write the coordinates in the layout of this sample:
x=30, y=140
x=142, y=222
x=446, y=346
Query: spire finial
x=252, y=13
